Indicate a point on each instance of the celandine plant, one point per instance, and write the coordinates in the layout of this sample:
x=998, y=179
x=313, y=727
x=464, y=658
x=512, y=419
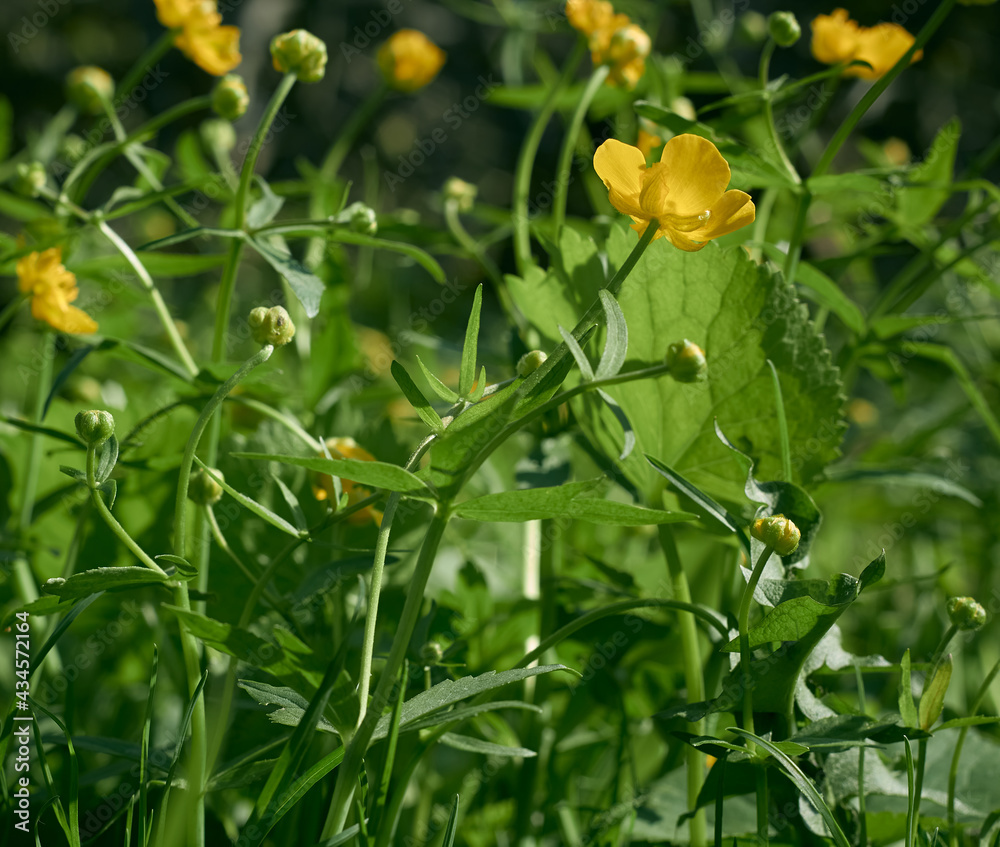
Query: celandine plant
x=387, y=599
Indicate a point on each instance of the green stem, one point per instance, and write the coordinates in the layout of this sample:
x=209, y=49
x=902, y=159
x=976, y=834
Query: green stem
x=744, y=624
x=156, y=51
x=565, y=165
x=873, y=93
x=862, y=811
x=348, y=771
x=693, y=679
x=957, y=755
x=180, y=507
x=11, y=309
x=772, y=130
x=798, y=234
x=526, y=161
x=154, y=293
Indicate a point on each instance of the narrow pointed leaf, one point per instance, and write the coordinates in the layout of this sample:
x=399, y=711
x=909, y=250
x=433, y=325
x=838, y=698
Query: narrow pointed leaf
x=467, y=371
x=257, y=508
x=932, y=699
x=416, y=398
x=373, y=474
x=438, y=387
x=578, y=355
x=616, y=345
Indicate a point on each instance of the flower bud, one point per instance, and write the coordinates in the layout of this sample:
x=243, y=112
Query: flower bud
x=686, y=361
x=229, y=97
x=30, y=179
x=777, y=532
x=460, y=191
x=784, y=28
x=965, y=613
x=361, y=218
x=218, y=134
x=89, y=87
x=204, y=490
x=271, y=326
x=752, y=27
x=409, y=60
x=431, y=653
x=301, y=53
x=530, y=362
x=72, y=147
x=95, y=427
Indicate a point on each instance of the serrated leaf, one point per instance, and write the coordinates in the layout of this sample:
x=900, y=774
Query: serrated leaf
x=307, y=287
x=741, y=315
x=372, y=474
x=291, y=704
x=470, y=349
x=101, y=579
x=616, y=341
x=471, y=744
x=416, y=398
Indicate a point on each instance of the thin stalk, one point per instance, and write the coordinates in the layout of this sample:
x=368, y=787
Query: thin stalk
x=953, y=831
x=772, y=130
x=154, y=293
x=744, y=621
x=180, y=507
x=526, y=161
x=11, y=309
x=862, y=812
x=348, y=771
x=156, y=51
x=565, y=164
x=693, y=680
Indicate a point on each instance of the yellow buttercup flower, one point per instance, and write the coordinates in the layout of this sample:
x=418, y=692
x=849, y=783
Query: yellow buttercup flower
x=685, y=191
x=837, y=39
x=410, y=60
x=212, y=47
x=52, y=288
x=347, y=448
x=613, y=39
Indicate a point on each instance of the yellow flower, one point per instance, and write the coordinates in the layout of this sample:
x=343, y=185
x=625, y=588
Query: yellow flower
x=685, y=191
x=347, y=448
x=52, y=289
x=213, y=48
x=647, y=142
x=613, y=39
x=409, y=60
x=837, y=39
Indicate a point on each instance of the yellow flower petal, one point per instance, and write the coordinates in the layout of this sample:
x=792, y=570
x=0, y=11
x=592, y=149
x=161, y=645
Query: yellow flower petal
x=698, y=174
x=620, y=167
x=174, y=14
x=834, y=37
x=409, y=60
x=731, y=212
x=881, y=47
x=215, y=49
x=62, y=316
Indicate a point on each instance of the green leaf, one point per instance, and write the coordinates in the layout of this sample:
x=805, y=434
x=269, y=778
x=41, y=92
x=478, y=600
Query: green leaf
x=932, y=698
x=188, y=234
x=373, y=474
x=263, y=210
x=438, y=387
x=306, y=285
x=918, y=206
x=421, y=257
x=101, y=579
x=452, y=828
x=977, y=720
x=741, y=315
x=248, y=502
x=576, y=351
x=616, y=343
x=291, y=704
x=416, y=398
x=486, y=748
x=467, y=371
x=293, y=503
x=854, y=182
x=907, y=708
x=108, y=459
x=525, y=504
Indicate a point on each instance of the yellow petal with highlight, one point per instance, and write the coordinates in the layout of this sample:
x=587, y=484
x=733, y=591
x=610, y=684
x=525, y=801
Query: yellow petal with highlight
x=698, y=174
x=620, y=167
x=214, y=49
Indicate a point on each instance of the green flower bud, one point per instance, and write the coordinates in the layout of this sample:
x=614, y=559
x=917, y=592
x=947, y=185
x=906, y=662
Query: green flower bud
x=72, y=148
x=204, y=490
x=784, y=28
x=530, y=362
x=461, y=192
x=431, y=653
x=777, y=532
x=966, y=613
x=229, y=97
x=218, y=134
x=301, y=53
x=752, y=27
x=271, y=326
x=361, y=218
x=30, y=179
x=88, y=87
x=95, y=427
x=686, y=361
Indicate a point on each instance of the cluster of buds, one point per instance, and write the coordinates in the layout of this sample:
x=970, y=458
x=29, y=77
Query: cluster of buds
x=966, y=614
x=30, y=179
